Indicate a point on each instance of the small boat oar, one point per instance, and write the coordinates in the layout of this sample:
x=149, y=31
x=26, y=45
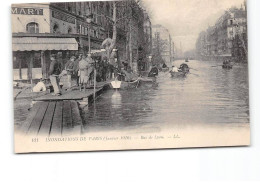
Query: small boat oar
x=193, y=69
x=216, y=66
x=195, y=74
x=137, y=84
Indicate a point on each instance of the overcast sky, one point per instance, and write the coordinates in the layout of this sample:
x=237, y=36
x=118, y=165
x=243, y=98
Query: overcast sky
x=185, y=19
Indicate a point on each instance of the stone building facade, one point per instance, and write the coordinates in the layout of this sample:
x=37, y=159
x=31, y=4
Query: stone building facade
x=163, y=39
x=227, y=38
x=67, y=21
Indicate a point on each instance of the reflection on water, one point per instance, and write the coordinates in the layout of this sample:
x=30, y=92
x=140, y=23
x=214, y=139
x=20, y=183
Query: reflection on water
x=209, y=95
x=116, y=100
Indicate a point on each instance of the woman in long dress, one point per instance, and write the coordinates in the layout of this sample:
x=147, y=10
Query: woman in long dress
x=84, y=71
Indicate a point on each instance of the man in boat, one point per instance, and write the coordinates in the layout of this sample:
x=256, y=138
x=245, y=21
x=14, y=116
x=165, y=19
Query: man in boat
x=184, y=68
x=174, y=69
x=129, y=75
x=164, y=65
x=154, y=71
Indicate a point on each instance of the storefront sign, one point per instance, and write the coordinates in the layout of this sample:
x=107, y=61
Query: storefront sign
x=27, y=11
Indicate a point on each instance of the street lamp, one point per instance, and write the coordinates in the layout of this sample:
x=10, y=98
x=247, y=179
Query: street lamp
x=89, y=19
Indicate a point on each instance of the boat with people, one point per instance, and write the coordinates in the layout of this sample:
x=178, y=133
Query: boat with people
x=165, y=69
x=182, y=71
x=126, y=79
x=139, y=82
x=178, y=74
x=227, y=65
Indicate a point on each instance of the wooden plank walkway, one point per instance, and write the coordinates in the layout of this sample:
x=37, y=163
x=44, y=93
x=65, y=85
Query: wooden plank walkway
x=74, y=94
x=53, y=118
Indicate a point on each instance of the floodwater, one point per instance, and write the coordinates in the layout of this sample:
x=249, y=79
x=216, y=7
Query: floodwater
x=208, y=96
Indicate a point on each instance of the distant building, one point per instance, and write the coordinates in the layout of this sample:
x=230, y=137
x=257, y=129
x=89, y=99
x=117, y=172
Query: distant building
x=162, y=40
x=227, y=38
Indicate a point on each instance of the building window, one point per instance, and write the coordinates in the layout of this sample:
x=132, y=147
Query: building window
x=32, y=27
x=83, y=30
x=69, y=30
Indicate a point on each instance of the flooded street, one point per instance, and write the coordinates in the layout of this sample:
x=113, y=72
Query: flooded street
x=208, y=96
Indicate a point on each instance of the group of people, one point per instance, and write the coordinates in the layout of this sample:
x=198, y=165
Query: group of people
x=183, y=68
x=80, y=68
x=227, y=62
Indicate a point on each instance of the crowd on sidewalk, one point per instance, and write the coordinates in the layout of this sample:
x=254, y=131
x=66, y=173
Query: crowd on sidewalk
x=79, y=68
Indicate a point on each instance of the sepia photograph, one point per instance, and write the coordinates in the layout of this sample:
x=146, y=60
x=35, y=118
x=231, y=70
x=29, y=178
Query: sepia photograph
x=130, y=75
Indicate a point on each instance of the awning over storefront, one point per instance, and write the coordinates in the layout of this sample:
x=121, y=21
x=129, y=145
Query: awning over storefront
x=36, y=44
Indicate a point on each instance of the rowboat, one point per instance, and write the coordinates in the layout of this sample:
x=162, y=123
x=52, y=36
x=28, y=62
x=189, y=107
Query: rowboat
x=116, y=84
x=165, y=69
x=178, y=74
x=183, y=71
x=140, y=82
x=227, y=66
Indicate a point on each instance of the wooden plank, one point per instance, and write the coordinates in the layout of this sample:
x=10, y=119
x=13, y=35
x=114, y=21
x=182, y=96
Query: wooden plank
x=56, y=126
x=37, y=121
x=76, y=118
x=67, y=118
x=47, y=120
x=25, y=127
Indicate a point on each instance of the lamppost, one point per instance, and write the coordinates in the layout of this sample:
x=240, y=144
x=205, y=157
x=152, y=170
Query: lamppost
x=89, y=20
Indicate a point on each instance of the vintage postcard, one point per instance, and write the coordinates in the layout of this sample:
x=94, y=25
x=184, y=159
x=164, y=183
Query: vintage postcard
x=130, y=74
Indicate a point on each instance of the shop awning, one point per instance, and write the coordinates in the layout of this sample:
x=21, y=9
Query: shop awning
x=36, y=44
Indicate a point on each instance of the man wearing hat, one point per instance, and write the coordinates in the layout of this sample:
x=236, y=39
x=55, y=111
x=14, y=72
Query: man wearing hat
x=54, y=72
x=174, y=69
x=76, y=67
x=154, y=71
x=69, y=67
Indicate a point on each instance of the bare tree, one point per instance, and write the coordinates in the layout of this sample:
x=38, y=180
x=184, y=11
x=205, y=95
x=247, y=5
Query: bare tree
x=125, y=18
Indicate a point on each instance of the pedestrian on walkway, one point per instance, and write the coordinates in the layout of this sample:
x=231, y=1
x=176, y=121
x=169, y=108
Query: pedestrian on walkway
x=90, y=69
x=54, y=72
x=84, y=71
x=69, y=67
x=76, y=68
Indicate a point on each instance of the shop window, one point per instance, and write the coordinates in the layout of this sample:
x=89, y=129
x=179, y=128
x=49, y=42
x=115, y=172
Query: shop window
x=32, y=27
